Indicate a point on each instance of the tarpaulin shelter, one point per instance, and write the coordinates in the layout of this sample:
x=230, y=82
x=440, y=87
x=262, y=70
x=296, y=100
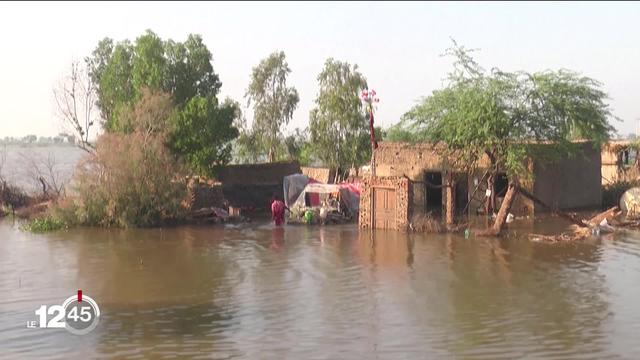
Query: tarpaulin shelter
x=293, y=186
x=349, y=195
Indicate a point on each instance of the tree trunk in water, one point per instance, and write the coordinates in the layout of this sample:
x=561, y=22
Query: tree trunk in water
x=450, y=205
x=501, y=218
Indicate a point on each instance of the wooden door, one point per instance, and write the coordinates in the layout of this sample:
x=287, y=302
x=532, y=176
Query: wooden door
x=384, y=208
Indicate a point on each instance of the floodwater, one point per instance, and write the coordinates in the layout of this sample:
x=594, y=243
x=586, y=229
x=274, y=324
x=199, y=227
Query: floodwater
x=256, y=292
x=22, y=165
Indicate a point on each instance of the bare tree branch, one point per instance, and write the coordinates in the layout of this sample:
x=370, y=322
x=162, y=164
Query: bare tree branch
x=75, y=97
x=44, y=172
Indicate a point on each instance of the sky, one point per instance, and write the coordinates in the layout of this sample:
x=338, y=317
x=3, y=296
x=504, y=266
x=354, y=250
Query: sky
x=396, y=45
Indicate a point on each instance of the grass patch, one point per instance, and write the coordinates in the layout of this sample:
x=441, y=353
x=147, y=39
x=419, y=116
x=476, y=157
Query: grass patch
x=42, y=225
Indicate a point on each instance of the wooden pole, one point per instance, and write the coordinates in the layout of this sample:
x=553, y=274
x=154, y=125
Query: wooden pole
x=374, y=144
x=450, y=206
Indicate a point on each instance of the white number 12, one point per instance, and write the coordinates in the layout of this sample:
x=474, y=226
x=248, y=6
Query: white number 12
x=56, y=321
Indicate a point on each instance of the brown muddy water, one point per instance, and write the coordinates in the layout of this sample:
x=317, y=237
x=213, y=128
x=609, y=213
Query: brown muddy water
x=255, y=292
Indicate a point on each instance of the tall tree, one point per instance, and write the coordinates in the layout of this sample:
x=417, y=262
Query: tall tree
x=339, y=128
x=505, y=116
x=111, y=71
x=298, y=146
x=202, y=126
x=123, y=69
x=202, y=133
x=273, y=101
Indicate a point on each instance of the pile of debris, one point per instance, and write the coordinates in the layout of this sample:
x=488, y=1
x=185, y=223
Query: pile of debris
x=606, y=222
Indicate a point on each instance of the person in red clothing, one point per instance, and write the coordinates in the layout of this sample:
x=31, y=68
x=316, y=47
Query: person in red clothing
x=277, y=210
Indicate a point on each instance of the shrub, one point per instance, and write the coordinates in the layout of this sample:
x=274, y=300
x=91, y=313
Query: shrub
x=132, y=179
x=12, y=196
x=45, y=224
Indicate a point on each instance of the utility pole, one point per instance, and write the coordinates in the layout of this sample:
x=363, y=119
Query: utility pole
x=369, y=98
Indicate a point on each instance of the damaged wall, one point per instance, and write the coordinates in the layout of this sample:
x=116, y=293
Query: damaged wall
x=410, y=160
x=205, y=194
x=414, y=160
x=570, y=183
x=614, y=168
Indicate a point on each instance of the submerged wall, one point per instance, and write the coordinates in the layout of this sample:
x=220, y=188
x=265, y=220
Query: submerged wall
x=253, y=185
x=571, y=182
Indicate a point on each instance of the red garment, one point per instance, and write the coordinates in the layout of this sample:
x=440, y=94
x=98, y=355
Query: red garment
x=277, y=212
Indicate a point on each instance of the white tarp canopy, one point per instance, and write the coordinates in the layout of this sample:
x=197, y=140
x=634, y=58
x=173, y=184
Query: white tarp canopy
x=349, y=194
x=319, y=188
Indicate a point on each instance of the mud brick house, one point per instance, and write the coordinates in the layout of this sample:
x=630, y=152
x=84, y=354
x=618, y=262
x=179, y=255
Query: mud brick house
x=619, y=162
x=253, y=185
x=409, y=179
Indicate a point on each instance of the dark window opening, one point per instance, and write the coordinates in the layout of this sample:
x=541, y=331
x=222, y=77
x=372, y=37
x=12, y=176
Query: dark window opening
x=500, y=184
x=434, y=191
x=627, y=157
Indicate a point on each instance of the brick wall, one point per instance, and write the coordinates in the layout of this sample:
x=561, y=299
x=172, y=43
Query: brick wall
x=411, y=160
x=614, y=171
x=324, y=175
x=401, y=186
x=205, y=193
x=257, y=174
x=253, y=185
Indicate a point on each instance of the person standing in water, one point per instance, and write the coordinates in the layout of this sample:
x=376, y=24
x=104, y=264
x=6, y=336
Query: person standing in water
x=277, y=210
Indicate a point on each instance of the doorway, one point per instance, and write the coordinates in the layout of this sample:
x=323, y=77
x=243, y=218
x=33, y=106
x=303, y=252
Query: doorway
x=433, y=191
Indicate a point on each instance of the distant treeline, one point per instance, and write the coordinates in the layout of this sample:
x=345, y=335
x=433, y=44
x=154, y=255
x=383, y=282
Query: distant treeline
x=33, y=140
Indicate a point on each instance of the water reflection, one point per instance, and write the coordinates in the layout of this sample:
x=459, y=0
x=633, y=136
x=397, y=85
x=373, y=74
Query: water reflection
x=322, y=292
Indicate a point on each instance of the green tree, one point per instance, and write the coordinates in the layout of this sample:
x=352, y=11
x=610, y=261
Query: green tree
x=505, y=116
x=111, y=71
x=298, y=146
x=398, y=133
x=338, y=125
x=123, y=69
x=201, y=127
x=273, y=101
x=202, y=133
x=189, y=70
x=247, y=148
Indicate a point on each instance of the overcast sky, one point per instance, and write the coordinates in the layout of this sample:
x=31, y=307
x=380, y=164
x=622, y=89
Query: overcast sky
x=396, y=45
